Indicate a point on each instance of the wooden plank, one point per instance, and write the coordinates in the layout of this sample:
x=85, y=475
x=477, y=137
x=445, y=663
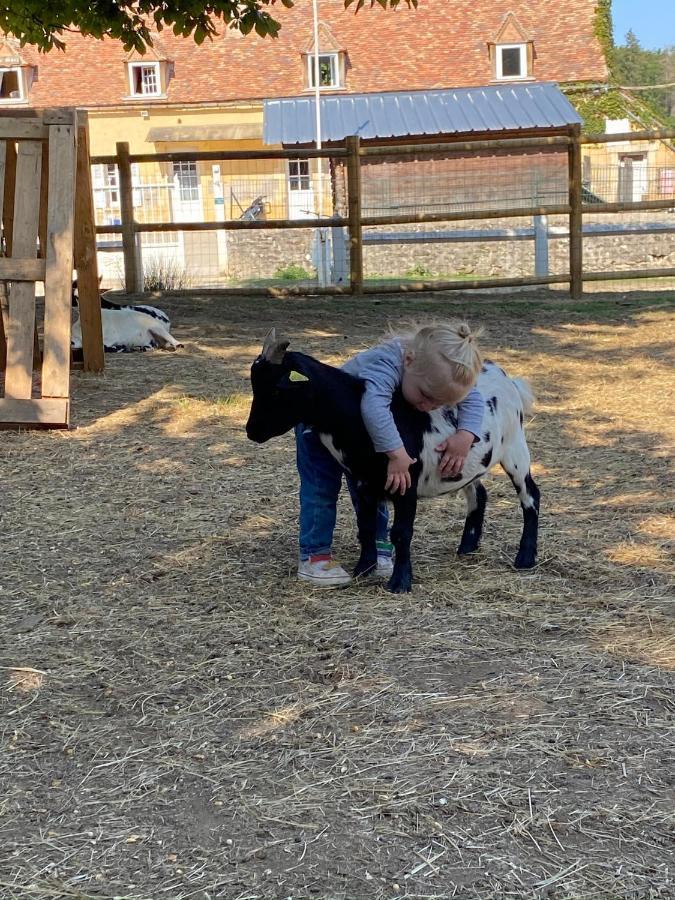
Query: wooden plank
x=627, y=206
x=354, y=204
x=22, y=130
x=657, y=134
x=21, y=325
x=576, y=217
x=58, y=279
x=131, y=274
x=60, y=115
x=12, y=269
x=34, y=412
x=3, y=286
x=8, y=195
x=217, y=155
x=85, y=260
x=450, y=146
x=629, y=274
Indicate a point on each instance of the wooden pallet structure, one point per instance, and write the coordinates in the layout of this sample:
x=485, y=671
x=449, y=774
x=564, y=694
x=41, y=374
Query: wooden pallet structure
x=39, y=159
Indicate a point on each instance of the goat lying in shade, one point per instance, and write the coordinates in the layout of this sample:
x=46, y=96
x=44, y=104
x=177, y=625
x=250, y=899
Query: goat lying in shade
x=125, y=330
x=289, y=388
x=153, y=311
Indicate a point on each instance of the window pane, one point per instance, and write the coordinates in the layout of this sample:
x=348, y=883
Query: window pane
x=188, y=182
x=511, y=62
x=327, y=70
x=9, y=87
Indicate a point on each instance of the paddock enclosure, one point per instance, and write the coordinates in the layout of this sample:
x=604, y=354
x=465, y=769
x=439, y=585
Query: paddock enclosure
x=181, y=718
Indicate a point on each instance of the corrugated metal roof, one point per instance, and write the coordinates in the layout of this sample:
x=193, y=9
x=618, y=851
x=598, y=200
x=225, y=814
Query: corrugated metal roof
x=495, y=108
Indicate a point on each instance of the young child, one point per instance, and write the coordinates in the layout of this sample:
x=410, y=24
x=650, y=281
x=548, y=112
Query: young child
x=435, y=365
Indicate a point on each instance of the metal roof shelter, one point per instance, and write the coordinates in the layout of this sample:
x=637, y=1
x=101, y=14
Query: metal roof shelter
x=492, y=109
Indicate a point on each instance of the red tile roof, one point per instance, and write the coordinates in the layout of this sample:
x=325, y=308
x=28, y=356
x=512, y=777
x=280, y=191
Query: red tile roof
x=443, y=43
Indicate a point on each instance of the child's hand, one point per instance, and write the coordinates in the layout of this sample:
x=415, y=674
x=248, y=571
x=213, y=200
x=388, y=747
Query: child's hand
x=398, y=474
x=454, y=452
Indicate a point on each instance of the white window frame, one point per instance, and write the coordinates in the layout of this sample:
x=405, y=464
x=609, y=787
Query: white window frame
x=499, y=73
x=186, y=179
x=299, y=175
x=335, y=72
x=158, y=79
x=22, y=89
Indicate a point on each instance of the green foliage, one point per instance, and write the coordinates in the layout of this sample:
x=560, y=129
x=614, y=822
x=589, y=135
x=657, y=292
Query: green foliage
x=419, y=271
x=43, y=24
x=603, y=30
x=292, y=272
x=596, y=106
x=636, y=66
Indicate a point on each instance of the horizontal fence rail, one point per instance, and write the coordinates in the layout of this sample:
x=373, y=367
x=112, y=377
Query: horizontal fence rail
x=574, y=185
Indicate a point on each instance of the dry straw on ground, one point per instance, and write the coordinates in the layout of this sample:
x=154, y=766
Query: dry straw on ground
x=182, y=719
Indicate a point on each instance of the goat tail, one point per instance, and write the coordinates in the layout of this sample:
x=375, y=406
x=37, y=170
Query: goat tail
x=525, y=393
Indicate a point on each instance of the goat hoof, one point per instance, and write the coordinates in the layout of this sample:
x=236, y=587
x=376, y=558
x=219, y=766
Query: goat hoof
x=525, y=560
x=465, y=549
x=399, y=585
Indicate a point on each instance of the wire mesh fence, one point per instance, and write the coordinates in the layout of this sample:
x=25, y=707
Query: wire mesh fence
x=401, y=187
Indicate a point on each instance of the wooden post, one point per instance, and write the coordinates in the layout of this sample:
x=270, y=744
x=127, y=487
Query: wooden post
x=576, y=219
x=85, y=260
x=59, y=260
x=20, y=333
x=3, y=284
x=131, y=273
x=354, y=206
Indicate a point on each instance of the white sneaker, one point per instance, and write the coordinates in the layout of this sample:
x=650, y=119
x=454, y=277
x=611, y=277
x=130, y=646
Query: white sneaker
x=323, y=572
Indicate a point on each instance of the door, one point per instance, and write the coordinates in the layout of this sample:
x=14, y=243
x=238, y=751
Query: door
x=187, y=197
x=300, y=193
x=632, y=177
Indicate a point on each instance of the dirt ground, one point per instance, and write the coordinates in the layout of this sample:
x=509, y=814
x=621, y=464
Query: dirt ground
x=180, y=718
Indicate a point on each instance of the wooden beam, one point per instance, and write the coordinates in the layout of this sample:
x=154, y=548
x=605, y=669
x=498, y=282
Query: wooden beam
x=25, y=130
x=354, y=205
x=89, y=300
x=58, y=278
x=656, y=134
x=575, y=218
x=216, y=155
x=3, y=285
x=34, y=412
x=20, y=336
x=534, y=143
x=131, y=275
x=12, y=269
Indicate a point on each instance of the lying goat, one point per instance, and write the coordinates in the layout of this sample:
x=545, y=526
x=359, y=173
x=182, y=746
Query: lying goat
x=289, y=388
x=153, y=311
x=125, y=330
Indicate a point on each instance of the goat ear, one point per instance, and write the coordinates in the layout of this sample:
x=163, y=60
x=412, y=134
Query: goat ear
x=274, y=348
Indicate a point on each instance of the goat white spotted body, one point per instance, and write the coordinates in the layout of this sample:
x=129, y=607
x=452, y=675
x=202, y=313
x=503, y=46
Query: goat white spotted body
x=289, y=388
x=126, y=330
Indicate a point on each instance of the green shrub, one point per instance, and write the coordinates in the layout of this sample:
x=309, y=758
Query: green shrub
x=419, y=271
x=292, y=272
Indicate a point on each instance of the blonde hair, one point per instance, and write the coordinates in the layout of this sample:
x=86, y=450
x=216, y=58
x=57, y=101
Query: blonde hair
x=445, y=353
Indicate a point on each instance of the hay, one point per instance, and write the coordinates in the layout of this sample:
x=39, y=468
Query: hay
x=183, y=719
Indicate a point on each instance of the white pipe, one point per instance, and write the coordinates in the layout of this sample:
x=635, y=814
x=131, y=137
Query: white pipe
x=317, y=105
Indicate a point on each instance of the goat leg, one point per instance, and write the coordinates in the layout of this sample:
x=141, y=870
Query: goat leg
x=366, y=517
x=405, y=508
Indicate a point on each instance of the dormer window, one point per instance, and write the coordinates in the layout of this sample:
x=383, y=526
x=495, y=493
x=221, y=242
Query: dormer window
x=329, y=70
x=145, y=79
x=511, y=61
x=511, y=51
x=12, y=88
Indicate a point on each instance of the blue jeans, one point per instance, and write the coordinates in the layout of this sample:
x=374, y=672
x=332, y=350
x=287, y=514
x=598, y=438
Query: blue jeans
x=320, y=483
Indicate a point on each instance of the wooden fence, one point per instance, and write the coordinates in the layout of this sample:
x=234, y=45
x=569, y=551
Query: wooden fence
x=352, y=154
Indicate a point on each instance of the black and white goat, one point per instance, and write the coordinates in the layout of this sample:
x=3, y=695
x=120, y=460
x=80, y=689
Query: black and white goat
x=153, y=311
x=289, y=388
x=128, y=328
